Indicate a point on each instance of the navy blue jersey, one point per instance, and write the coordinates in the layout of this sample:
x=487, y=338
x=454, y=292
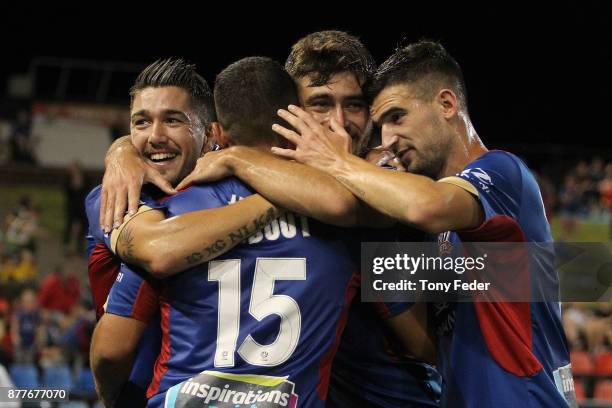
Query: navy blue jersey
x=259, y=324
x=371, y=369
x=503, y=354
x=103, y=270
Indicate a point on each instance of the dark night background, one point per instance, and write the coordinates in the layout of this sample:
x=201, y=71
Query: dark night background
x=537, y=77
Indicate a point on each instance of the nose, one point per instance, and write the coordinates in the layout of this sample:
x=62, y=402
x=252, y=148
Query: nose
x=388, y=136
x=158, y=134
x=339, y=115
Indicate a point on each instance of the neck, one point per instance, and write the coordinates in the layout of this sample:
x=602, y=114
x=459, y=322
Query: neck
x=467, y=147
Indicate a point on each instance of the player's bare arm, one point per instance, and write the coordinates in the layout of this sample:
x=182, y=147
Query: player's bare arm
x=428, y=205
x=164, y=247
x=124, y=176
x=289, y=184
x=113, y=345
x=411, y=328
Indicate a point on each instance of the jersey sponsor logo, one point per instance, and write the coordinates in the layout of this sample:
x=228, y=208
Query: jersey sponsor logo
x=225, y=390
x=444, y=243
x=565, y=384
x=481, y=176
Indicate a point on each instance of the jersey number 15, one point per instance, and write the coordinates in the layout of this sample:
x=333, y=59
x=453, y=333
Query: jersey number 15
x=263, y=303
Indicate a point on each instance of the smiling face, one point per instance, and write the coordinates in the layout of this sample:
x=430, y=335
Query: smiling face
x=413, y=128
x=164, y=130
x=341, y=98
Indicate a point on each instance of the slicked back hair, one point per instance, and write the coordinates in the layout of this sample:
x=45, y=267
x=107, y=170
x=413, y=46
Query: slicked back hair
x=425, y=63
x=323, y=54
x=177, y=72
x=248, y=94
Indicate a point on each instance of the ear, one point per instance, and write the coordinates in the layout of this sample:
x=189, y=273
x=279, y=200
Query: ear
x=448, y=102
x=220, y=136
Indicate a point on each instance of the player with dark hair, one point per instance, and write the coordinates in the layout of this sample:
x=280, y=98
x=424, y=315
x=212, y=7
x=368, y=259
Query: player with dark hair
x=502, y=354
x=330, y=68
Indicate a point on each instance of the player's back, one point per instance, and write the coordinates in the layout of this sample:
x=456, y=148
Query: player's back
x=269, y=312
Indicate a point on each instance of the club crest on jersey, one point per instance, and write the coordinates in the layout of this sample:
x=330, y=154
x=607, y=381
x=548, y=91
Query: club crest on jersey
x=484, y=180
x=225, y=390
x=444, y=244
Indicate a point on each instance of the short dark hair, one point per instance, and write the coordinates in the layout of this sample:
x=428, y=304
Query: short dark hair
x=177, y=72
x=248, y=94
x=325, y=53
x=426, y=62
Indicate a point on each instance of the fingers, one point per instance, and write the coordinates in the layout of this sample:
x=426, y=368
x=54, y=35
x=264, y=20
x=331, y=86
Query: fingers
x=342, y=134
x=338, y=128
x=185, y=182
x=108, y=211
x=302, y=121
x=286, y=153
x=103, y=198
x=133, y=198
x=120, y=207
x=305, y=117
x=290, y=135
x=154, y=177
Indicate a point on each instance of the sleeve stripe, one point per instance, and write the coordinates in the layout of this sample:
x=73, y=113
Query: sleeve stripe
x=117, y=231
x=461, y=183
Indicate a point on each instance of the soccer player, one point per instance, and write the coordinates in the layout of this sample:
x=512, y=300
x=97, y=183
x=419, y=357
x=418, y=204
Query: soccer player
x=503, y=354
x=180, y=107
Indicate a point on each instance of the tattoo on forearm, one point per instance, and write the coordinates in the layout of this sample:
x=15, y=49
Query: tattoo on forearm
x=351, y=186
x=233, y=238
x=125, y=245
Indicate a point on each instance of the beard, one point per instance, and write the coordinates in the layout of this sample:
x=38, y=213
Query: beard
x=431, y=166
x=429, y=161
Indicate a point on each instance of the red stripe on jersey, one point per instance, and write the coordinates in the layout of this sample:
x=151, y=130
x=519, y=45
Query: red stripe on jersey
x=103, y=267
x=146, y=303
x=506, y=326
x=164, y=354
x=326, y=360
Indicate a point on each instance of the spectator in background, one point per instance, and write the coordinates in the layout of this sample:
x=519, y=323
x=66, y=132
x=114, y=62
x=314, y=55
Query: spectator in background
x=22, y=226
x=76, y=190
x=19, y=268
x=6, y=344
x=549, y=194
x=569, y=207
x=77, y=331
x=24, y=328
x=50, y=339
x=21, y=142
x=605, y=189
x=60, y=290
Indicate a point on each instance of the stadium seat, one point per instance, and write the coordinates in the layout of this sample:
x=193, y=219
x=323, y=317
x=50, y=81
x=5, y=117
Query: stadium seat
x=24, y=375
x=603, y=390
x=58, y=377
x=582, y=363
x=84, y=385
x=603, y=364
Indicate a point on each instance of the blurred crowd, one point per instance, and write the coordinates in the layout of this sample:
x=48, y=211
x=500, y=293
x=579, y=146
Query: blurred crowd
x=585, y=191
